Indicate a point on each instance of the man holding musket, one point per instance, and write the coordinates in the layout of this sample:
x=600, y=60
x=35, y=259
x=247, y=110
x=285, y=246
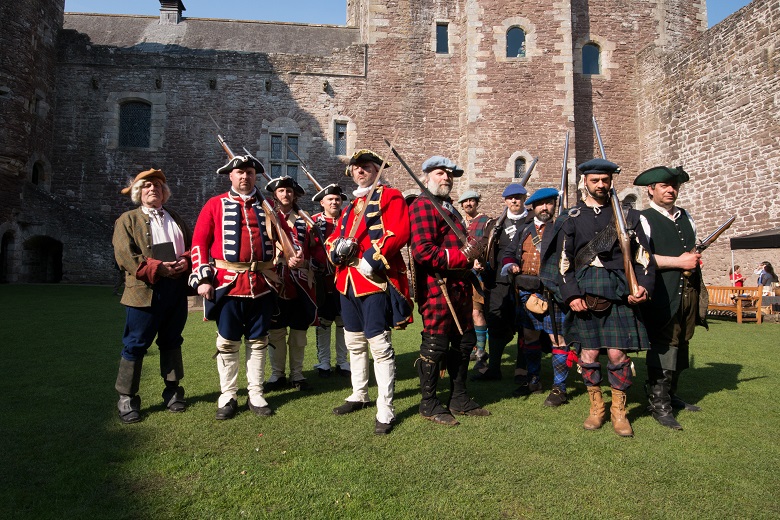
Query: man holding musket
x=536, y=313
x=594, y=284
x=366, y=248
x=296, y=300
x=443, y=293
x=331, y=197
x=675, y=309
x=151, y=245
x=239, y=288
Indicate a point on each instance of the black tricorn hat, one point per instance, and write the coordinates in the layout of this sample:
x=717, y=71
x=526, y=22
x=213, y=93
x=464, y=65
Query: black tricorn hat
x=284, y=182
x=365, y=156
x=330, y=189
x=241, y=162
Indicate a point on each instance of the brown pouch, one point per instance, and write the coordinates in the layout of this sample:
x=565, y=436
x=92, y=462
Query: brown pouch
x=597, y=303
x=536, y=304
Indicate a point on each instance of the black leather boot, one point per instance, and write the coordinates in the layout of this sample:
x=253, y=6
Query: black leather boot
x=172, y=370
x=657, y=388
x=127, y=382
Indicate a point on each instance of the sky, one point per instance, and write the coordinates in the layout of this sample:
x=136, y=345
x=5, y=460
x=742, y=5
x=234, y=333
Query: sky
x=302, y=11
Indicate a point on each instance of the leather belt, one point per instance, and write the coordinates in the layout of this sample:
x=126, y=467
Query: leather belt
x=255, y=267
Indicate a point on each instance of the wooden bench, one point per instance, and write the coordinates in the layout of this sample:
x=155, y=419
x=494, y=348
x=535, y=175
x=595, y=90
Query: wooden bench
x=738, y=300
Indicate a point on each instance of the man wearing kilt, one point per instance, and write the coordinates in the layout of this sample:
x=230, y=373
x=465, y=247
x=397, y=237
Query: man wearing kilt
x=366, y=248
x=479, y=225
x=330, y=198
x=523, y=260
x=677, y=306
x=602, y=314
x=443, y=293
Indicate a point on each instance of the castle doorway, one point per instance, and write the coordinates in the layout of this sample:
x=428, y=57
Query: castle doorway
x=42, y=259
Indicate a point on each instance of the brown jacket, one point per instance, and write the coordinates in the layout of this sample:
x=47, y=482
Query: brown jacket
x=132, y=250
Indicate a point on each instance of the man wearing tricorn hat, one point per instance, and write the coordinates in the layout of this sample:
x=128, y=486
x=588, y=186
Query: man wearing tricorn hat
x=592, y=282
x=523, y=260
x=151, y=245
x=296, y=301
x=676, y=308
x=499, y=295
x=366, y=248
x=330, y=198
x=477, y=224
x=443, y=292
x=239, y=288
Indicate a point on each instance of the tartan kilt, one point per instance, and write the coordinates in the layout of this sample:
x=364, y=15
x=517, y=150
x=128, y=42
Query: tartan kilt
x=543, y=322
x=619, y=327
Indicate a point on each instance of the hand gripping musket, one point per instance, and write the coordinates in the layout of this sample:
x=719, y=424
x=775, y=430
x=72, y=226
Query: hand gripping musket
x=624, y=237
x=288, y=249
x=443, y=214
x=527, y=175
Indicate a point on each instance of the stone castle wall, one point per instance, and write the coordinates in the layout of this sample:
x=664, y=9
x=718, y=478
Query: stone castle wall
x=714, y=107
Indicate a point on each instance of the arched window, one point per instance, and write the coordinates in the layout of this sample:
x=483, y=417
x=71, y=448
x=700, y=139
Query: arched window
x=628, y=202
x=135, y=123
x=38, y=174
x=519, y=167
x=515, y=43
x=591, y=59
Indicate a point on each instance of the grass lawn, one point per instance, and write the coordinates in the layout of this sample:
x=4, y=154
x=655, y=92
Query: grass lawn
x=66, y=455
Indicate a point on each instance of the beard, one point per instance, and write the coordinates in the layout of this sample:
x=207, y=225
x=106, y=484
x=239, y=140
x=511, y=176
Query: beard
x=544, y=216
x=440, y=190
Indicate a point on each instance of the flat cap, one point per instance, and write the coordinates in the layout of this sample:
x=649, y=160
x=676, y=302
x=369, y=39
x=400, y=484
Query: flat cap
x=599, y=166
x=542, y=194
x=661, y=174
x=440, y=162
x=284, y=182
x=241, y=162
x=514, y=189
x=469, y=194
x=365, y=156
x=330, y=189
x=144, y=175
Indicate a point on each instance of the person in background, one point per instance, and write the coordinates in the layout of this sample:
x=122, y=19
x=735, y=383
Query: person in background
x=736, y=277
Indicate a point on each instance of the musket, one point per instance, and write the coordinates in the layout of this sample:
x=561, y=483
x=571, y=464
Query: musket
x=305, y=169
x=288, y=249
x=624, y=238
x=707, y=242
x=563, y=193
x=527, y=175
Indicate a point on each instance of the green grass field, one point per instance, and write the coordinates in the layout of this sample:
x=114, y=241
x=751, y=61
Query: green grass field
x=66, y=455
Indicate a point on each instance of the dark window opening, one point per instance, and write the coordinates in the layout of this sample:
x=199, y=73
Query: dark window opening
x=135, y=124
x=340, y=139
x=442, y=39
x=519, y=167
x=591, y=59
x=515, y=43
x=38, y=175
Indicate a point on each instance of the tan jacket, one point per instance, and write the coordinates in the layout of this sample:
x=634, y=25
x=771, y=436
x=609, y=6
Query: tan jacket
x=132, y=250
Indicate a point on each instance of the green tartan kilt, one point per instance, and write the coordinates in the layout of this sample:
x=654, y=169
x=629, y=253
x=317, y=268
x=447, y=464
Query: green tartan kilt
x=618, y=327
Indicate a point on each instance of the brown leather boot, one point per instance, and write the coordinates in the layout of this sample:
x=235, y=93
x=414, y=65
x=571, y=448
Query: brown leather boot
x=597, y=411
x=618, y=411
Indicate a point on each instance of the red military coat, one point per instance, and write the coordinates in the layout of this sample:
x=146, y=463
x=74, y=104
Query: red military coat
x=379, y=244
x=436, y=250
x=234, y=230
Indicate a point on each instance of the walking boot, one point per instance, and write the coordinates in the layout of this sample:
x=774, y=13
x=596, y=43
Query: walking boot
x=172, y=370
x=128, y=381
x=173, y=397
x=597, y=414
x=557, y=397
x=618, y=412
x=657, y=389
